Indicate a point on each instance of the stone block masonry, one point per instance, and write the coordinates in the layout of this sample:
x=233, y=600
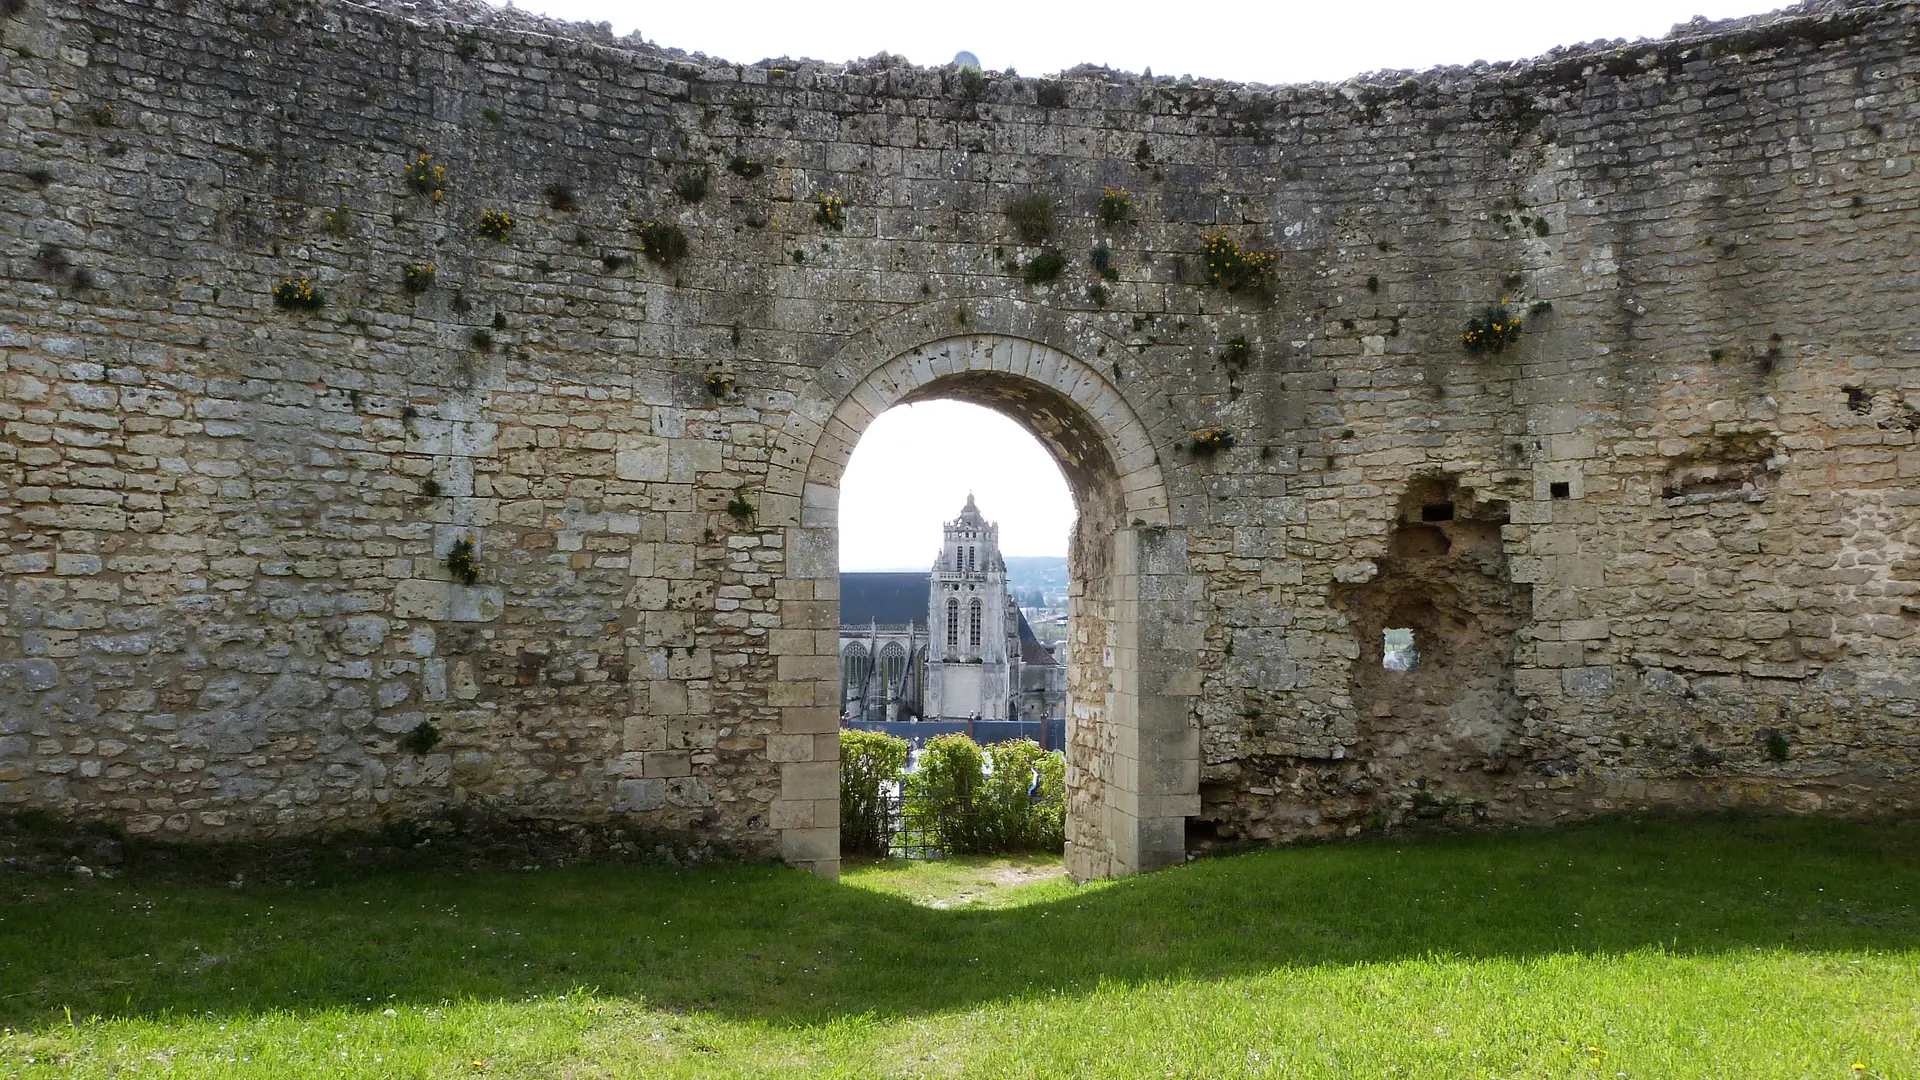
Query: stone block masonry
x=1660, y=547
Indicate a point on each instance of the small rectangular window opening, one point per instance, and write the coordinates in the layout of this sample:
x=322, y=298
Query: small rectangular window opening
x=1437, y=512
x=1560, y=489
x=1396, y=650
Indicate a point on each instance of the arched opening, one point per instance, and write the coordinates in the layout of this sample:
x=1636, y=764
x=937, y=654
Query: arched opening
x=1132, y=738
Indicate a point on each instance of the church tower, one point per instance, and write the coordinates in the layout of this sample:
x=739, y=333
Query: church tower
x=968, y=609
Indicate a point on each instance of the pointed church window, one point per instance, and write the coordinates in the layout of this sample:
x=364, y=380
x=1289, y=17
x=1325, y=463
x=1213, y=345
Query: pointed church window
x=973, y=626
x=953, y=622
x=853, y=666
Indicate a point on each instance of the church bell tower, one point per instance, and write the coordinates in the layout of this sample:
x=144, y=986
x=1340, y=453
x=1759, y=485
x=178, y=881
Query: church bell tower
x=967, y=669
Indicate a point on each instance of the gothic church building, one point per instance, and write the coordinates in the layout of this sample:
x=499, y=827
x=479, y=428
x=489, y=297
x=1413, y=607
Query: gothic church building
x=945, y=645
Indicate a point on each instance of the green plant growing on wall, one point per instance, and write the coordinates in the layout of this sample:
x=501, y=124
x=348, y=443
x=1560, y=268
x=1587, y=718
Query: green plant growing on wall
x=460, y=562
x=495, y=225
x=417, y=278
x=1102, y=257
x=480, y=338
x=870, y=763
x=560, y=197
x=1116, y=205
x=1232, y=270
x=719, y=384
x=424, y=177
x=739, y=509
x=430, y=487
x=298, y=294
x=1491, y=331
x=1032, y=217
x=745, y=167
x=1777, y=749
x=102, y=116
x=1237, y=355
x=422, y=739
x=663, y=242
x=337, y=221
x=830, y=210
x=1045, y=267
x=1540, y=307
x=973, y=82
x=691, y=186
x=1210, y=441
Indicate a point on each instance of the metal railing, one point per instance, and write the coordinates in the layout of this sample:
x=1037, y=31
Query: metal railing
x=897, y=825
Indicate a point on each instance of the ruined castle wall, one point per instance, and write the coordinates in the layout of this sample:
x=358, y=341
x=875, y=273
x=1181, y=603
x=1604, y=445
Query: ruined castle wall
x=225, y=598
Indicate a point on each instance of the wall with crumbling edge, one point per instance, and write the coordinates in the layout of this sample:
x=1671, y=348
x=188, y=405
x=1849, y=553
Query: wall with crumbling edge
x=225, y=606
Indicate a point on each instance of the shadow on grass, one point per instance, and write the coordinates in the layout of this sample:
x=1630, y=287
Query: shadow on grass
x=776, y=945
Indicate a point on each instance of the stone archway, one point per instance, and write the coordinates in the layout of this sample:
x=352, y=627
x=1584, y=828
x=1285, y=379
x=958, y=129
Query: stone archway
x=1133, y=741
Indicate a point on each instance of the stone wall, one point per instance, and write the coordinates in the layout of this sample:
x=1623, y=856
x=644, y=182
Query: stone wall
x=1683, y=566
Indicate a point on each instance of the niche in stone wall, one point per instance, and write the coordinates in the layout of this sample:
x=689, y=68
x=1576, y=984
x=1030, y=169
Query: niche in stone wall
x=1437, y=626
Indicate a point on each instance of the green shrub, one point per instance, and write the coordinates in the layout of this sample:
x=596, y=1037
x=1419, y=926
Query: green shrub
x=940, y=794
x=967, y=800
x=1006, y=815
x=869, y=760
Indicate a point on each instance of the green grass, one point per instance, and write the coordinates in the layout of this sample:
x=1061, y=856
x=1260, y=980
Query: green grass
x=978, y=881
x=1642, y=949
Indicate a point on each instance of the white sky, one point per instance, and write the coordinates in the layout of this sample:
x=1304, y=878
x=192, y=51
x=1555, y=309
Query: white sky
x=914, y=467
x=1271, y=41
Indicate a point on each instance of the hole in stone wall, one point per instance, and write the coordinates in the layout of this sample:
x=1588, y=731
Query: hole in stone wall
x=1397, y=651
x=1560, y=489
x=1730, y=465
x=1858, y=399
x=1420, y=542
x=1437, y=699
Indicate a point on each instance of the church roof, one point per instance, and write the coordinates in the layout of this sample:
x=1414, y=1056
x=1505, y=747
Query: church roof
x=890, y=599
x=970, y=514
x=1031, y=650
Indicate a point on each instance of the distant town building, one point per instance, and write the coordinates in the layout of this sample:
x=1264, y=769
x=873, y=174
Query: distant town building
x=945, y=645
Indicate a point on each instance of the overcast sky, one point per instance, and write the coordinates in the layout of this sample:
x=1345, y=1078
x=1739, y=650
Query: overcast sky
x=913, y=470
x=914, y=467
x=1274, y=41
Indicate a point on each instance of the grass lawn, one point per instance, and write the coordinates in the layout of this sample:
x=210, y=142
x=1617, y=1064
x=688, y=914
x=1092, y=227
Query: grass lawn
x=1643, y=949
